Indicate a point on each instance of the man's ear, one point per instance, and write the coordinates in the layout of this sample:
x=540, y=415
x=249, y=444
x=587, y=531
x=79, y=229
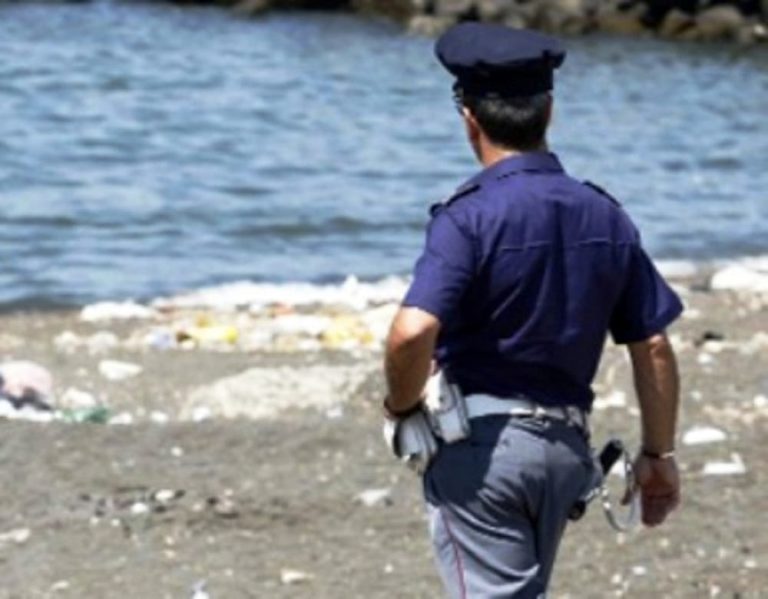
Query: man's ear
x=474, y=132
x=550, y=109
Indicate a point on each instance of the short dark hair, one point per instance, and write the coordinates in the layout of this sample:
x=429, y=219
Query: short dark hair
x=513, y=123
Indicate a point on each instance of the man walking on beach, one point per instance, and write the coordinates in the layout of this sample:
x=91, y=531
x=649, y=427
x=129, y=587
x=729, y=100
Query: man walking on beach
x=524, y=273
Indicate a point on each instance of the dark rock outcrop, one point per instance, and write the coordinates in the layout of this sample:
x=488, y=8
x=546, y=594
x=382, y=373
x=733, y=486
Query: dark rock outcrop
x=743, y=21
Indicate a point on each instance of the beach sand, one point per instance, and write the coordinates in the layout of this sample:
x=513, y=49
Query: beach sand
x=270, y=506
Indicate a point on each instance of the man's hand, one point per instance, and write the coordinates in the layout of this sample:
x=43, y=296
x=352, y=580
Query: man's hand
x=657, y=385
x=659, y=483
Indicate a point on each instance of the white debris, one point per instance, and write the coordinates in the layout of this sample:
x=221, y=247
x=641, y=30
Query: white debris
x=351, y=293
x=677, y=269
x=122, y=419
x=159, y=417
x=375, y=497
x=306, y=324
x=288, y=576
x=75, y=399
x=704, y=359
x=102, y=342
x=21, y=377
x=198, y=590
x=334, y=413
x=735, y=467
x=28, y=413
x=201, y=413
x=177, y=452
x=66, y=342
x=116, y=311
x=760, y=401
x=139, y=508
x=60, y=585
x=615, y=399
x=639, y=570
x=700, y=435
x=758, y=342
x=165, y=495
x=18, y=536
x=117, y=371
x=749, y=275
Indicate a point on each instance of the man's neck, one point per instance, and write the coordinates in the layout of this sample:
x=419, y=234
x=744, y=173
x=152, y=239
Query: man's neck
x=490, y=154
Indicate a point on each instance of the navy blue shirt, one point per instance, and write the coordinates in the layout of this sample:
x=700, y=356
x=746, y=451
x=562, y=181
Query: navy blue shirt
x=528, y=270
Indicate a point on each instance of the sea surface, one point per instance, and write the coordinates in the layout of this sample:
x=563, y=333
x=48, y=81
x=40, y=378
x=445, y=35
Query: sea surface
x=147, y=149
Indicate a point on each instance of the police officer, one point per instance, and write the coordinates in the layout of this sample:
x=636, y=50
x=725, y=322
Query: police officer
x=524, y=273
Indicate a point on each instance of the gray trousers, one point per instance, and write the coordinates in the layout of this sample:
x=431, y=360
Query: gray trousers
x=498, y=504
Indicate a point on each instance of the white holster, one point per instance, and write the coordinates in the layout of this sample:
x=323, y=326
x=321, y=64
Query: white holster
x=411, y=440
x=443, y=416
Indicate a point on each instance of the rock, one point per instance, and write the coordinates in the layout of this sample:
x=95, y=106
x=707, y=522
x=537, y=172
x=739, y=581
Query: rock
x=523, y=14
x=430, y=25
x=75, y=399
x=266, y=392
x=675, y=23
x=708, y=336
x=720, y=22
x=701, y=435
x=492, y=10
x=252, y=8
x=620, y=22
x=105, y=311
x=453, y=8
x=401, y=10
x=569, y=17
x=114, y=370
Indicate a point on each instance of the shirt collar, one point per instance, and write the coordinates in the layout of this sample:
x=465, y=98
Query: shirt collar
x=530, y=162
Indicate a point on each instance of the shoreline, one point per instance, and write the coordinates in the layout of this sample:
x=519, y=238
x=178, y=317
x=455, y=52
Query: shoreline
x=744, y=273
x=683, y=20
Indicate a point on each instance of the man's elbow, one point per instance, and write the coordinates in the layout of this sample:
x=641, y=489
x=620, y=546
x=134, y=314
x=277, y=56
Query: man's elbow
x=412, y=326
x=657, y=348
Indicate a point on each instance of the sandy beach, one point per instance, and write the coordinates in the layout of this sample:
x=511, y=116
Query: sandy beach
x=302, y=500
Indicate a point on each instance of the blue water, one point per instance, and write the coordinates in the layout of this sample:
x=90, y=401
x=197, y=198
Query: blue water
x=147, y=149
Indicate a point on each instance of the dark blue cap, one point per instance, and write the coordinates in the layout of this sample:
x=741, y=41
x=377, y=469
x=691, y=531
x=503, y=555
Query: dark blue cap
x=491, y=59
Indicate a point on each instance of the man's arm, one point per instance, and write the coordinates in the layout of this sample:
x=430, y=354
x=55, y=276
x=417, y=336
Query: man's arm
x=408, y=360
x=657, y=386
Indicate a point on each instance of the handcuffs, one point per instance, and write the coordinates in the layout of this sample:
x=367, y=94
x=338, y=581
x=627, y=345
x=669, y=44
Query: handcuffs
x=613, y=451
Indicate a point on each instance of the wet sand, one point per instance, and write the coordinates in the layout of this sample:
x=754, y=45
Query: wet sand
x=269, y=507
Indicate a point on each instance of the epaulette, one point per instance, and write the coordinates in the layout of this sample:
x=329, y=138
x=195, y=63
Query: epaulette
x=461, y=192
x=602, y=192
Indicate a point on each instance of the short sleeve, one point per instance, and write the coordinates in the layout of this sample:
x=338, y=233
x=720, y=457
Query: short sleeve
x=646, y=305
x=445, y=269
